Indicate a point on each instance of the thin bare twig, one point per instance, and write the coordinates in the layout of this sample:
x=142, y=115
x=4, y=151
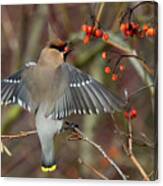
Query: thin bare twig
x=140, y=90
x=99, y=148
x=130, y=10
x=140, y=60
x=4, y=149
x=98, y=17
x=83, y=136
x=136, y=140
x=99, y=174
x=19, y=135
x=131, y=154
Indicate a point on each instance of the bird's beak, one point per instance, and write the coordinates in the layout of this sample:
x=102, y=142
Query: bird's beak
x=67, y=50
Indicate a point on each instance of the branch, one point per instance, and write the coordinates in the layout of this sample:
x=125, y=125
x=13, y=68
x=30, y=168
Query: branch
x=136, y=140
x=83, y=137
x=3, y=149
x=103, y=153
x=140, y=90
x=98, y=17
x=93, y=169
x=19, y=135
x=130, y=10
x=140, y=60
x=129, y=54
x=131, y=154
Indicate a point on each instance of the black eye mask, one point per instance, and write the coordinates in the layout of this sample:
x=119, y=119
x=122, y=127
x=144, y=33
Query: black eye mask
x=60, y=48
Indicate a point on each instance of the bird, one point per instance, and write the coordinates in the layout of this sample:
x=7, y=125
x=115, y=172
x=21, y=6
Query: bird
x=52, y=89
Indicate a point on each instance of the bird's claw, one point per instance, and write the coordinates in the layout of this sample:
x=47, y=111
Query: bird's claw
x=71, y=126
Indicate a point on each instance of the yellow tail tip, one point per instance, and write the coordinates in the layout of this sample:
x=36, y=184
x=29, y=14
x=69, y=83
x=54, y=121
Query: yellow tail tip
x=49, y=169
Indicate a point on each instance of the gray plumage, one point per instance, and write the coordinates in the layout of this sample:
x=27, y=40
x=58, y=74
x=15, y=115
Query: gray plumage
x=53, y=90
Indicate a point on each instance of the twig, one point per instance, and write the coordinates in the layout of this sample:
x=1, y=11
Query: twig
x=127, y=52
x=99, y=14
x=99, y=148
x=84, y=137
x=130, y=10
x=136, y=140
x=3, y=148
x=131, y=154
x=19, y=135
x=140, y=90
x=93, y=169
x=140, y=60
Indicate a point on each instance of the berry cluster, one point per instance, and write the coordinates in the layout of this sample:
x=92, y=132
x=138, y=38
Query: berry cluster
x=134, y=29
x=108, y=69
x=131, y=114
x=93, y=31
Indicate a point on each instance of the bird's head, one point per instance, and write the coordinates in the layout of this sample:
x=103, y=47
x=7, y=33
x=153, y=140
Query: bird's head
x=59, y=46
x=54, y=53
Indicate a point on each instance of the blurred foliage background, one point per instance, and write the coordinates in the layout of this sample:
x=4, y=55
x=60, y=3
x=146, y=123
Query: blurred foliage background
x=25, y=30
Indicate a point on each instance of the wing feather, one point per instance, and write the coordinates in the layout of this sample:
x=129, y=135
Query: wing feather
x=14, y=91
x=83, y=95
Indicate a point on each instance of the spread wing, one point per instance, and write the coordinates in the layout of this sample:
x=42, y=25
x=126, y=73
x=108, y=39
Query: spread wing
x=84, y=95
x=14, y=91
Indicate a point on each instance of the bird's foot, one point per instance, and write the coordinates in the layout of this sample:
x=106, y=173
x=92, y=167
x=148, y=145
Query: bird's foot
x=75, y=135
x=70, y=126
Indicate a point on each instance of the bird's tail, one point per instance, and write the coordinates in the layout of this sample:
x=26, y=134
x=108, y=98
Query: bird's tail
x=47, y=129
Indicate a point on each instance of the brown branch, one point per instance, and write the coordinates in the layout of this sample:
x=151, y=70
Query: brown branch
x=136, y=140
x=130, y=10
x=3, y=148
x=83, y=137
x=139, y=59
x=131, y=154
x=19, y=135
x=93, y=169
x=140, y=90
x=98, y=17
x=103, y=153
x=128, y=53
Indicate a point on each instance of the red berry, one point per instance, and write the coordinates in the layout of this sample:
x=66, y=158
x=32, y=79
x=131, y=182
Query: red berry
x=114, y=77
x=89, y=29
x=107, y=70
x=105, y=36
x=98, y=33
x=121, y=67
x=104, y=55
x=129, y=33
x=135, y=26
x=133, y=113
x=84, y=28
x=86, y=39
x=151, y=32
x=123, y=27
x=145, y=27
